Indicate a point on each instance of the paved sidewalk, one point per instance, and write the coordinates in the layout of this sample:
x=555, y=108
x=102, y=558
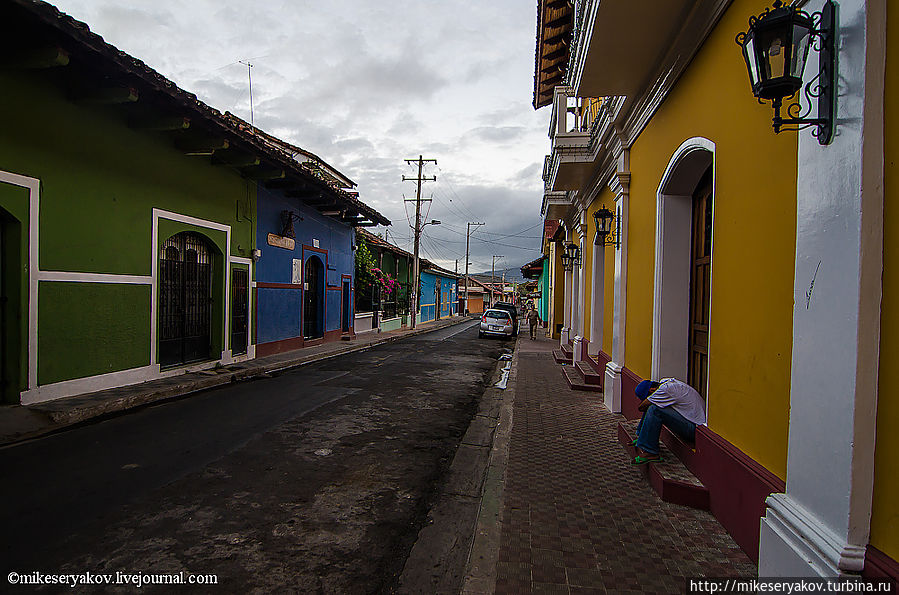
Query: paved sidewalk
x=19, y=422
x=575, y=516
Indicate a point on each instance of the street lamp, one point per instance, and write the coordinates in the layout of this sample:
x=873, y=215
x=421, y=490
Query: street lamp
x=571, y=256
x=775, y=49
x=603, y=218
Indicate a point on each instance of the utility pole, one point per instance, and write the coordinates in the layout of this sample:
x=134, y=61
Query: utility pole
x=457, y=286
x=493, y=275
x=418, y=227
x=467, y=235
x=250, y=80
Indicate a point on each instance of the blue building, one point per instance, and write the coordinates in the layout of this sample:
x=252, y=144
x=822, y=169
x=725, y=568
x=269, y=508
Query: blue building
x=439, y=293
x=304, y=249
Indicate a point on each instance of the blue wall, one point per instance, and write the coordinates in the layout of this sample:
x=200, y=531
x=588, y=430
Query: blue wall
x=449, y=298
x=279, y=310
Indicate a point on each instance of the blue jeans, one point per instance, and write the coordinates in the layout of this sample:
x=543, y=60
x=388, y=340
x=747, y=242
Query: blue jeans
x=651, y=423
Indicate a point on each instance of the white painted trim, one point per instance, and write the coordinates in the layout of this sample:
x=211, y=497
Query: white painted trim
x=813, y=549
x=598, y=299
x=73, y=277
x=250, y=287
x=33, y=185
x=671, y=283
x=620, y=186
x=78, y=386
x=154, y=260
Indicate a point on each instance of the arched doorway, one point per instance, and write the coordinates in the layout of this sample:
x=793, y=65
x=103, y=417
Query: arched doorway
x=314, y=299
x=682, y=285
x=185, y=299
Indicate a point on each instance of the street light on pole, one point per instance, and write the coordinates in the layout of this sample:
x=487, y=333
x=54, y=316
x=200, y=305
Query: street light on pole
x=493, y=275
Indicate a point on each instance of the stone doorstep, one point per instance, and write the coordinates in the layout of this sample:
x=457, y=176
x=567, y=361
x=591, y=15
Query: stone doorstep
x=575, y=379
x=671, y=480
x=587, y=368
x=567, y=350
x=560, y=357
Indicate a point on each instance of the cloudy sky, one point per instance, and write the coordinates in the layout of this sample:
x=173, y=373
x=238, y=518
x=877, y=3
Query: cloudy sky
x=366, y=85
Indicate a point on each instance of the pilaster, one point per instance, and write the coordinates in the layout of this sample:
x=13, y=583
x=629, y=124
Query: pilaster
x=821, y=525
x=620, y=185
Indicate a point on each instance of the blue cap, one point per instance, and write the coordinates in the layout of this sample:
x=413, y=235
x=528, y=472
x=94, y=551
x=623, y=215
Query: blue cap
x=644, y=387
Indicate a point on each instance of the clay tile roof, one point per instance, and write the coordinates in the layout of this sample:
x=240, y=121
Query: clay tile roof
x=103, y=60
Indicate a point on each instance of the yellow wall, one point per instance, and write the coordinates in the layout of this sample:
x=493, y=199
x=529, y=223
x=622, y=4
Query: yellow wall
x=753, y=242
x=885, y=516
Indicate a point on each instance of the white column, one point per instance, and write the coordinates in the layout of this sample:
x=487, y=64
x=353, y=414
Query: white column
x=566, y=315
x=579, y=342
x=597, y=302
x=821, y=525
x=620, y=186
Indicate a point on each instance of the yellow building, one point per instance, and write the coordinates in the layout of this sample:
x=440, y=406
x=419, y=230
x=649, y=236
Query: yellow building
x=755, y=266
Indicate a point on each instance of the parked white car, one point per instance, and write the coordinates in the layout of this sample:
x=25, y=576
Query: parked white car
x=497, y=322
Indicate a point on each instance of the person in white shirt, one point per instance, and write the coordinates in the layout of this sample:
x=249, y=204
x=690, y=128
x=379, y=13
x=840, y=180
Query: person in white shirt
x=672, y=403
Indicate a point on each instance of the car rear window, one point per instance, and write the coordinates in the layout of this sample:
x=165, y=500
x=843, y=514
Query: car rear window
x=497, y=315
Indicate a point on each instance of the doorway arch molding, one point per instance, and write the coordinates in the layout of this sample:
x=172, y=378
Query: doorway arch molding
x=671, y=281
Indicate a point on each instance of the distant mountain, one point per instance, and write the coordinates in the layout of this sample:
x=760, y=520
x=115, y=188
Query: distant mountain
x=512, y=275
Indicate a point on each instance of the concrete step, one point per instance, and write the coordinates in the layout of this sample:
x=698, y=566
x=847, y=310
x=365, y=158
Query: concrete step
x=566, y=349
x=560, y=357
x=576, y=380
x=589, y=372
x=671, y=480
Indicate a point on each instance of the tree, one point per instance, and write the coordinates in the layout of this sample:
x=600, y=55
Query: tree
x=365, y=262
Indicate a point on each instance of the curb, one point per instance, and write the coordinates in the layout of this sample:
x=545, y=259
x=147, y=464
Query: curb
x=439, y=559
x=178, y=387
x=480, y=571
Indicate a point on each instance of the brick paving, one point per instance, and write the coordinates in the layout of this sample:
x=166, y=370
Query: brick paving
x=576, y=516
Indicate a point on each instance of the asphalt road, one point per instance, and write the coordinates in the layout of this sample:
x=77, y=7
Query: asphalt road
x=316, y=479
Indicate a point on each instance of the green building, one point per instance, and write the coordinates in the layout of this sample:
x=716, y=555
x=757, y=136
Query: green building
x=127, y=216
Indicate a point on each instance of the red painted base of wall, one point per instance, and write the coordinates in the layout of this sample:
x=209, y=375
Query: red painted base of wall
x=737, y=484
x=879, y=565
x=294, y=343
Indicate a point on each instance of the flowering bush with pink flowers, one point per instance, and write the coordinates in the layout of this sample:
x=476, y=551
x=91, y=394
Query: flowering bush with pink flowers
x=383, y=280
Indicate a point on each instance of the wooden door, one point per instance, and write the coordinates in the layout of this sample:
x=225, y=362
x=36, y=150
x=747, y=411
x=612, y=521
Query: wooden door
x=700, y=290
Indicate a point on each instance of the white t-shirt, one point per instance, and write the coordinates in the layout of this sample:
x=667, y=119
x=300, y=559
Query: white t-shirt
x=682, y=397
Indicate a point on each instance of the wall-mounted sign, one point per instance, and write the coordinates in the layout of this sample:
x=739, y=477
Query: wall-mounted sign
x=296, y=276
x=281, y=242
x=315, y=243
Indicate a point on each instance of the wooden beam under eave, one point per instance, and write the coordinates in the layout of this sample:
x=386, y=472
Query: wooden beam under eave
x=559, y=22
x=160, y=123
x=281, y=184
x=45, y=57
x=109, y=96
x=234, y=159
x=366, y=224
x=554, y=4
x=259, y=173
x=552, y=80
x=558, y=38
x=554, y=67
x=305, y=194
x=201, y=146
x=556, y=54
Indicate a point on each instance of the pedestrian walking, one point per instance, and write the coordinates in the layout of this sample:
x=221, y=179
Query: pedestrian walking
x=533, y=318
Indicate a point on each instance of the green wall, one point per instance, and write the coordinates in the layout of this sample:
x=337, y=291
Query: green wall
x=100, y=181
x=77, y=318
